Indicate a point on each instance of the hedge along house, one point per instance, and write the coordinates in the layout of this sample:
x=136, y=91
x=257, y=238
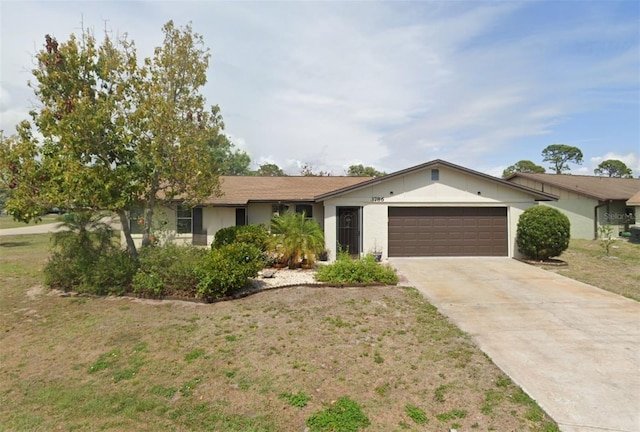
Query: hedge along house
x=588, y=201
x=433, y=209
x=244, y=200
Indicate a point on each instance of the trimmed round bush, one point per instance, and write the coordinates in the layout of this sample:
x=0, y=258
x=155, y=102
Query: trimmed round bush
x=255, y=235
x=543, y=232
x=227, y=269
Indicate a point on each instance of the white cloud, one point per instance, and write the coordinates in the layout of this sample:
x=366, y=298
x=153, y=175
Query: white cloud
x=385, y=84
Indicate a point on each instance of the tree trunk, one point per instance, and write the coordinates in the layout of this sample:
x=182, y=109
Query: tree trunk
x=148, y=221
x=131, y=246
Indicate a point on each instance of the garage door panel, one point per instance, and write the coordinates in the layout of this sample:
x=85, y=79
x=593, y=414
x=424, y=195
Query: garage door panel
x=447, y=231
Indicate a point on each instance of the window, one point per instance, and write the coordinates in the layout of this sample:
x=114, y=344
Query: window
x=307, y=209
x=279, y=209
x=435, y=174
x=136, y=220
x=184, y=220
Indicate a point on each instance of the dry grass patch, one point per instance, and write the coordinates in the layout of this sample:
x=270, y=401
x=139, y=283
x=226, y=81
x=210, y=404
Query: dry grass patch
x=269, y=362
x=618, y=273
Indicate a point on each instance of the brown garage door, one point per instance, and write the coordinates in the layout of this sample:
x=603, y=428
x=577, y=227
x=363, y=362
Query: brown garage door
x=447, y=231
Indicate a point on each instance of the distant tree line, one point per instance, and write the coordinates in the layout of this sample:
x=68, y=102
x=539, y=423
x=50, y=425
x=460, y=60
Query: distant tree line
x=560, y=155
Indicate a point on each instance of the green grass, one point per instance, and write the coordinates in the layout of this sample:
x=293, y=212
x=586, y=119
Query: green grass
x=344, y=415
x=298, y=400
x=416, y=414
x=86, y=363
x=618, y=273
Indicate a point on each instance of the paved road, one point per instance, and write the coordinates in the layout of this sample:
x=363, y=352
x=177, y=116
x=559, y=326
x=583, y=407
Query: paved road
x=30, y=229
x=572, y=347
x=47, y=228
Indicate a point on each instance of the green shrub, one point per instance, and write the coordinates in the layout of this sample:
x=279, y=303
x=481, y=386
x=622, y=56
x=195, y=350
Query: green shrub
x=168, y=270
x=255, y=235
x=344, y=415
x=296, y=239
x=87, y=258
x=113, y=272
x=347, y=270
x=543, y=232
x=227, y=270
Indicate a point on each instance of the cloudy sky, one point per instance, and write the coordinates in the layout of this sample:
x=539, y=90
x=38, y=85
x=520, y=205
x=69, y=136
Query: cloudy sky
x=389, y=84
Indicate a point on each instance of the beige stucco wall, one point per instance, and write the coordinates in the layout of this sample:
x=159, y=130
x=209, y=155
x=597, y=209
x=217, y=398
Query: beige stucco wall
x=261, y=213
x=214, y=219
x=417, y=189
x=579, y=209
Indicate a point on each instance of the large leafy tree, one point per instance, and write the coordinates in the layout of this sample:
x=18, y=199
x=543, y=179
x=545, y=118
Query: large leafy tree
x=116, y=133
x=173, y=124
x=269, y=170
x=364, y=171
x=559, y=155
x=82, y=153
x=613, y=168
x=522, y=166
x=227, y=159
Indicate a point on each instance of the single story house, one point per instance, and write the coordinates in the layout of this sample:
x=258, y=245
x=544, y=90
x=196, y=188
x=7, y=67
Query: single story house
x=588, y=201
x=433, y=209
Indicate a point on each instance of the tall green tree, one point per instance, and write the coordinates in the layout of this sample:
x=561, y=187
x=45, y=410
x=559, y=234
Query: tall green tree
x=83, y=160
x=364, y=171
x=613, y=168
x=269, y=170
x=522, y=166
x=117, y=133
x=559, y=155
x=173, y=124
x=227, y=159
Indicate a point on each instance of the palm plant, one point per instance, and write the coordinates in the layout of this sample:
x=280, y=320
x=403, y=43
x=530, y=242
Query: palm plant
x=295, y=239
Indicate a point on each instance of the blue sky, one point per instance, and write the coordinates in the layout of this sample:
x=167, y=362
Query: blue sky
x=390, y=84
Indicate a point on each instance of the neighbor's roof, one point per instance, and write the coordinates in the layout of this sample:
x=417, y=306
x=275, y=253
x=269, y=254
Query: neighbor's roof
x=600, y=188
x=239, y=190
x=634, y=200
x=543, y=196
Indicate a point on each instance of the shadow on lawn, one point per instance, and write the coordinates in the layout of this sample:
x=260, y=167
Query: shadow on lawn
x=14, y=244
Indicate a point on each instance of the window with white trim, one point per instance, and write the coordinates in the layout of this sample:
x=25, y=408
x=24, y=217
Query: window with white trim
x=184, y=220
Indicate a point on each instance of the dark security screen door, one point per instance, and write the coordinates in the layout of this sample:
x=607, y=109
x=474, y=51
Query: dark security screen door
x=349, y=229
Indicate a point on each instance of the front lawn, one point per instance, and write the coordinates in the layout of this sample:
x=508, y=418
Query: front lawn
x=279, y=360
x=619, y=272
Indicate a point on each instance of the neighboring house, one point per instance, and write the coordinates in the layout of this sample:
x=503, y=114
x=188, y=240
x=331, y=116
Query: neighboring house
x=634, y=202
x=433, y=209
x=588, y=201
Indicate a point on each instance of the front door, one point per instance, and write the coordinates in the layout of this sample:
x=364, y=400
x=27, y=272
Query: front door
x=349, y=230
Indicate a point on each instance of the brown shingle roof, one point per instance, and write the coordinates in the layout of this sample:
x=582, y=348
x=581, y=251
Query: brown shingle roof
x=634, y=200
x=239, y=190
x=600, y=188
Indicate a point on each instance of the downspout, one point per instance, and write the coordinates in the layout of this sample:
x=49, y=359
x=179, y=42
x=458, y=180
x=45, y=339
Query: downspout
x=595, y=217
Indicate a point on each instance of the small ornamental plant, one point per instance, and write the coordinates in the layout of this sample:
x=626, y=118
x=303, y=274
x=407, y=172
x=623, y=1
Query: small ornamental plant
x=543, y=232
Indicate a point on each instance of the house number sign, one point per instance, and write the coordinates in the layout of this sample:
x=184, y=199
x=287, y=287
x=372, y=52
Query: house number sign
x=377, y=199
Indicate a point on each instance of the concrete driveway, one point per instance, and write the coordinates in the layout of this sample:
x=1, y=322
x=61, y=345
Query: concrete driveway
x=572, y=347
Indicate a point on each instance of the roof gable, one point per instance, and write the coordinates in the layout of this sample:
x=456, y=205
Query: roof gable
x=600, y=188
x=436, y=164
x=240, y=190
